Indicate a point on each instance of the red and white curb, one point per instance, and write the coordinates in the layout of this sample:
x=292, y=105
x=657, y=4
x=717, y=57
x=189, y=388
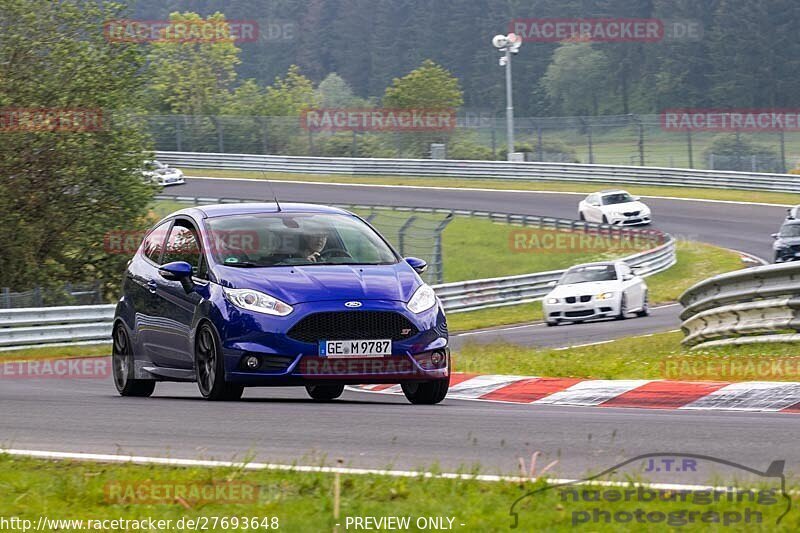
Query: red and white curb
x=639, y=393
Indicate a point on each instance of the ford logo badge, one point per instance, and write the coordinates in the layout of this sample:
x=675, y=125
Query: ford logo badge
x=352, y=304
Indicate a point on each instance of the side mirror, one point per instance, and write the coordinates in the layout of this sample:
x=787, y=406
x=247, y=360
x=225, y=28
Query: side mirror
x=774, y=235
x=637, y=198
x=178, y=271
x=419, y=265
x=627, y=277
x=552, y=283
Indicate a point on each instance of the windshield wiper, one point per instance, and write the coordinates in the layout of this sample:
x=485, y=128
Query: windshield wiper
x=244, y=264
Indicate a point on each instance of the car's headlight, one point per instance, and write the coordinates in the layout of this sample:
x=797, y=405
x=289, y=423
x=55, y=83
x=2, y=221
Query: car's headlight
x=552, y=300
x=604, y=296
x=257, y=301
x=424, y=298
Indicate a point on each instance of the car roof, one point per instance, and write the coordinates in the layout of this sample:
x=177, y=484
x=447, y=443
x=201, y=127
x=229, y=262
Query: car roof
x=598, y=263
x=613, y=191
x=220, y=210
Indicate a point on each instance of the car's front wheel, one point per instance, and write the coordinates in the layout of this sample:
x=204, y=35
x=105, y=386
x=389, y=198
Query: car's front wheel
x=427, y=392
x=324, y=393
x=210, y=369
x=645, y=310
x=122, y=366
x=623, y=308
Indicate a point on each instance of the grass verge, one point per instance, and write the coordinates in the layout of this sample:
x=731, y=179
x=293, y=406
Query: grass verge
x=500, y=184
x=696, y=262
x=656, y=356
x=53, y=352
x=304, y=501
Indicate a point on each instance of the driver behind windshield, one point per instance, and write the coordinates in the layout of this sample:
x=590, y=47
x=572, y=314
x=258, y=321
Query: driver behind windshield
x=312, y=245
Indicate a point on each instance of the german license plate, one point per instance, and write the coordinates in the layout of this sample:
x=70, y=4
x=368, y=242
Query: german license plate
x=356, y=348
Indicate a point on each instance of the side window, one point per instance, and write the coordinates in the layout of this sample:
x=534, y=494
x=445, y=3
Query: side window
x=154, y=242
x=182, y=245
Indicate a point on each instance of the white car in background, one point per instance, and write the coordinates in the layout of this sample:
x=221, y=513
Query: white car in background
x=615, y=207
x=162, y=174
x=596, y=290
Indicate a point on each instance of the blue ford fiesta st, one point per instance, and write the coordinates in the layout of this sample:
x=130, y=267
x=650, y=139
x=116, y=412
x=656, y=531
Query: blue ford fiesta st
x=243, y=295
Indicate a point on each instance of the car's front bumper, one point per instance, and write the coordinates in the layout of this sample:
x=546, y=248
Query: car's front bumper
x=579, y=311
x=786, y=255
x=286, y=361
x=621, y=220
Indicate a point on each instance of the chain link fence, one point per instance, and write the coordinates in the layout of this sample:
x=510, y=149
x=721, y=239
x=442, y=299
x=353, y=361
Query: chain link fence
x=68, y=294
x=614, y=140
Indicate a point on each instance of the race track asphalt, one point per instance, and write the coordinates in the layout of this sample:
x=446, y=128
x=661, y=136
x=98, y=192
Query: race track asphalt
x=368, y=430
x=372, y=430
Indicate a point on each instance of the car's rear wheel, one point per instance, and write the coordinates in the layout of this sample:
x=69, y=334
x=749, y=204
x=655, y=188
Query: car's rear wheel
x=324, y=393
x=645, y=310
x=122, y=367
x=210, y=369
x=427, y=392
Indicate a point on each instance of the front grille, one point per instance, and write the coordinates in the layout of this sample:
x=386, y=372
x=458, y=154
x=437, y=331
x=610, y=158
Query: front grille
x=576, y=314
x=631, y=214
x=573, y=299
x=352, y=325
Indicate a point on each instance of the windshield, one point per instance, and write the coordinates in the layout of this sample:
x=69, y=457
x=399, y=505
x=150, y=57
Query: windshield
x=790, y=230
x=281, y=239
x=618, y=198
x=585, y=274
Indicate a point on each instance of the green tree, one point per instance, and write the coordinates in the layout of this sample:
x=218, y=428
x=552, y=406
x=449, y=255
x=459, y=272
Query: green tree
x=192, y=77
x=428, y=87
x=284, y=101
x=576, y=78
x=333, y=91
x=62, y=190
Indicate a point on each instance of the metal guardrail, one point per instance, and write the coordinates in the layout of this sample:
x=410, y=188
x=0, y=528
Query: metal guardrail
x=523, y=171
x=760, y=304
x=55, y=325
x=81, y=324
x=497, y=292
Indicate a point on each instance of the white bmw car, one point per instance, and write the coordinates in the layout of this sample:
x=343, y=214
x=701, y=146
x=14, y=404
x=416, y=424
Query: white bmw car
x=162, y=174
x=596, y=290
x=615, y=207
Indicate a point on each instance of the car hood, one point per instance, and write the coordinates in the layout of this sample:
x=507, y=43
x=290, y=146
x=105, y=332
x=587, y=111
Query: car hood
x=627, y=206
x=577, y=289
x=299, y=284
x=788, y=241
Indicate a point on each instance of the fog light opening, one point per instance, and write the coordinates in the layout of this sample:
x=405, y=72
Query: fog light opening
x=438, y=359
x=252, y=362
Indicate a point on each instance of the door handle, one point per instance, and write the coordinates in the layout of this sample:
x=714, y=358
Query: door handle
x=152, y=286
